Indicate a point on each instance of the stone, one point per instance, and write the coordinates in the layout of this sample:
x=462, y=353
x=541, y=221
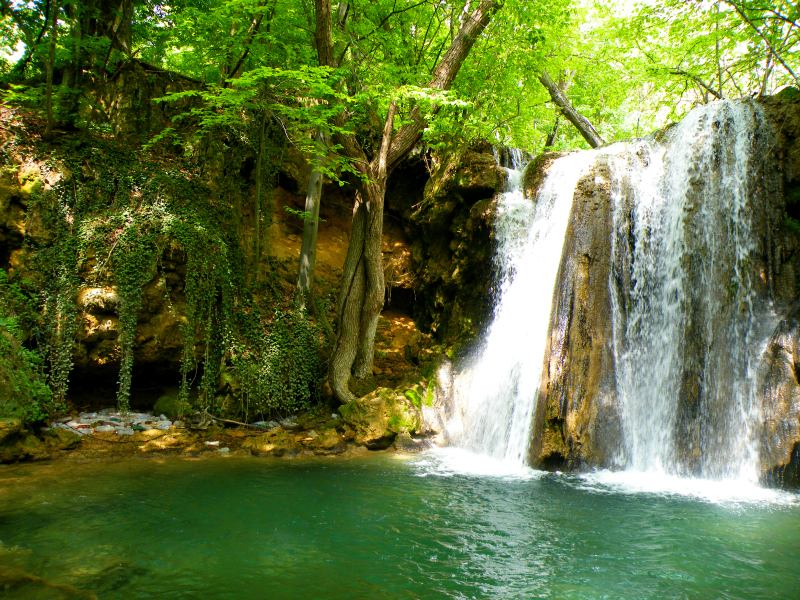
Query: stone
x=329, y=441
x=170, y=406
x=406, y=443
x=274, y=443
x=377, y=418
x=9, y=428
x=61, y=439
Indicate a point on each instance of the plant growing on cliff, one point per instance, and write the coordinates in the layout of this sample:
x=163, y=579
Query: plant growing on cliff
x=116, y=217
x=24, y=392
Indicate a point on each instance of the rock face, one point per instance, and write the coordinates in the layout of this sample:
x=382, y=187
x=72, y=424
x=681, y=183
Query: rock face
x=575, y=412
x=376, y=419
x=452, y=249
x=19, y=443
x=780, y=261
x=578, y=422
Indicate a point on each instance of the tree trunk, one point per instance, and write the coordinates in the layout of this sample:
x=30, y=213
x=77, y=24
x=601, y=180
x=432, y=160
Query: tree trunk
x=551, y=138
x=580, y=122
x=362, y=289
x=308, y=250
x=51, y=60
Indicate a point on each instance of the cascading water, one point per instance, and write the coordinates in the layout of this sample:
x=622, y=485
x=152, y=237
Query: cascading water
x=497, y=393
x=687, y=330
x=686, y=334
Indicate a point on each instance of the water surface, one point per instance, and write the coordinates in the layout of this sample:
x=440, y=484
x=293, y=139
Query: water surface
x=386, y=526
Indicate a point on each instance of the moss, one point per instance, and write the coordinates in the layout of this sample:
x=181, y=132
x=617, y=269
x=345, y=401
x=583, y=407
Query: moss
x=429, y=393
x=414, y=395
x=172, y=405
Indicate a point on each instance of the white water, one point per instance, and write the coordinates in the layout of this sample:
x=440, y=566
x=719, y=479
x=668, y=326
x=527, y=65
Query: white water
x=686, y=336
x=497, y=394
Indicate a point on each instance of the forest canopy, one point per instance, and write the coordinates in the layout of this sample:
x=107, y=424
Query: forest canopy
x=627, y=67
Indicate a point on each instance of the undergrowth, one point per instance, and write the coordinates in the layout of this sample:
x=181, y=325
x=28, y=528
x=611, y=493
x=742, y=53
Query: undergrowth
x=24, y=393
x=115, y=213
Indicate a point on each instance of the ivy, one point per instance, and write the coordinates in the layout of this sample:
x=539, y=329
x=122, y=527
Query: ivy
x=118, y=215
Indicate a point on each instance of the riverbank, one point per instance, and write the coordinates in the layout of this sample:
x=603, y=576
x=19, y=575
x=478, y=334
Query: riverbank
x=380, y=421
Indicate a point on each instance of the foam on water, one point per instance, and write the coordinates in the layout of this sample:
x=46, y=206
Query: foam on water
x=727, y=491
x=449, y=462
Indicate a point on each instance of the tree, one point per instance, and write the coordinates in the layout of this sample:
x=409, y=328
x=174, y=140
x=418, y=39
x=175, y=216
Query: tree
x=361, y=294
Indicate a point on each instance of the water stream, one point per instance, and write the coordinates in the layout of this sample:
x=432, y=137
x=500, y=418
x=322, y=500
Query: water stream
x=687, y=329
x=689, y=334
x=494, y=392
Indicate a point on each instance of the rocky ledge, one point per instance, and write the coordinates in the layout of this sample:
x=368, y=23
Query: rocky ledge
x=382, y=420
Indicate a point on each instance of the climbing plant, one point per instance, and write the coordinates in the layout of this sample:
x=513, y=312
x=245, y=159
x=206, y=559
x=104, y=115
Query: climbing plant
x=118, y=213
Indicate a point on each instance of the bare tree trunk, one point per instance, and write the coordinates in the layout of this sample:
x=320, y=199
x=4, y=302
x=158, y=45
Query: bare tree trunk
x=308, y=250
x=257, y=201
x=361, y=296
x=51, y=63
x=581, y=123
x=551, y=138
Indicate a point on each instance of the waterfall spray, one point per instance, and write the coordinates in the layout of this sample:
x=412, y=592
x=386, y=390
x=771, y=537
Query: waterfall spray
x=497, y=391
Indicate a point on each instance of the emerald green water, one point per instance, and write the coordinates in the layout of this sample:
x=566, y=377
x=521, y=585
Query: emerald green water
x=383, y=526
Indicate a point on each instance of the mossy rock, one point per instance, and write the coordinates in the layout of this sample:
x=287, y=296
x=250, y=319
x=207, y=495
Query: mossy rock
x=274, y=443
x=788, y=93
x=19, y=443
x=378, y=417
x=171, y=405
x=9, y=428
x=329, y=441
x=61, y=439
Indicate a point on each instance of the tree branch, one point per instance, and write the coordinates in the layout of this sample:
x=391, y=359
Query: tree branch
x=580, y=122
x=698, y=81
x=763, y=37
x=409, y=134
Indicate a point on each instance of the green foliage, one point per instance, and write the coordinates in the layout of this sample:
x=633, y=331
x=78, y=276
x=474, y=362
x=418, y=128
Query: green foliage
x=23, y=391
x=127, y=218
x=288, y=369
x=792, y=225
x=300, y=214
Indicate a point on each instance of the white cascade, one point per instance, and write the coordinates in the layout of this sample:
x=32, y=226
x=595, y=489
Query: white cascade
x=687, y=335
x=496, y=391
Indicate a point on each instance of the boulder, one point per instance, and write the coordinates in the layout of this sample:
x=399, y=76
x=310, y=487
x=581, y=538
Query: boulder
x=328, y=441
x=273, y=443
x=171, y=405
x=18, y=443
x=377, y=418
x=61, y=439
x=9, y=428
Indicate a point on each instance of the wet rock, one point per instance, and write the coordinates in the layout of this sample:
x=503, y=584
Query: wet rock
x=61, y=439
x=406, y=443
x=577, y=395
x=377, y=418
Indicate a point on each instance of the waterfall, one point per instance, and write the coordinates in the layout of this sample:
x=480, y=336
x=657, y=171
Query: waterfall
x=688, y=325
x=687, y=332
x=497, y=390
